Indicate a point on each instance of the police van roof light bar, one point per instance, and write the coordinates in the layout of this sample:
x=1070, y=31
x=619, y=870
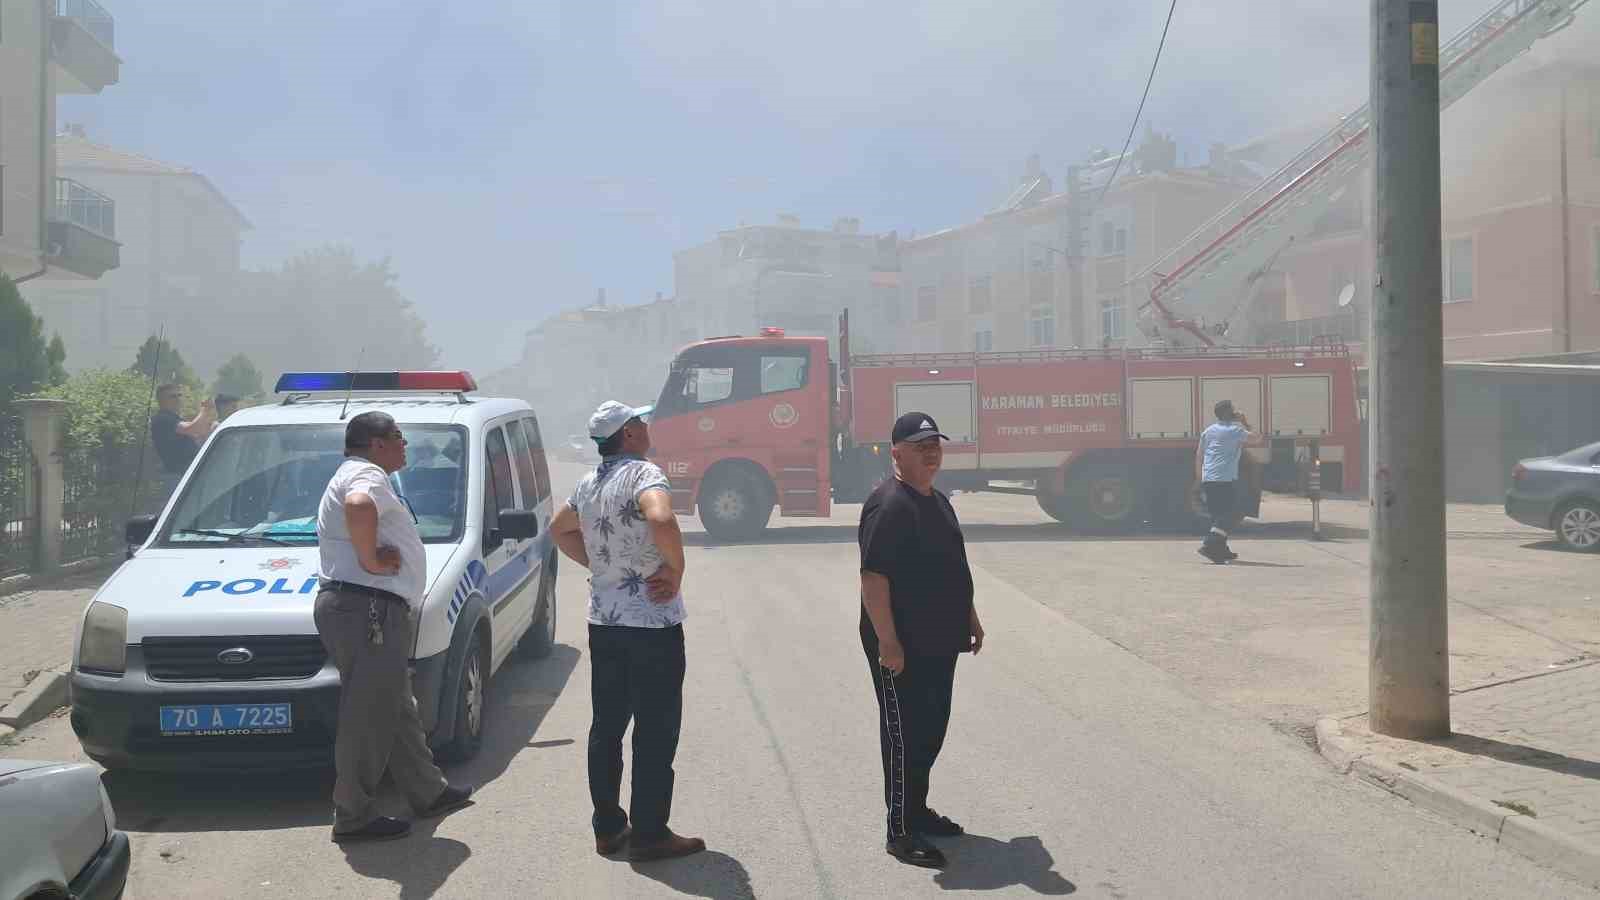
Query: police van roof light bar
x=319, y=382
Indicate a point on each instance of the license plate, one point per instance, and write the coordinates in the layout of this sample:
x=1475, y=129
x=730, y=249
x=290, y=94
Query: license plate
x=227, y=719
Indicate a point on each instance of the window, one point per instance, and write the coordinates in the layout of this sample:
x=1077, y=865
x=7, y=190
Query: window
x=783, y=373
x=541, y=468
x=1594, y=257
x=1108, y=238
x=1458, y=265
x=527, y=480
x=1042, y=327
x=1111, y=318
x=708, y=384
x=497, y=493
x=927, y=303
x=891, y=307
x=983, y=341
x=979, y=297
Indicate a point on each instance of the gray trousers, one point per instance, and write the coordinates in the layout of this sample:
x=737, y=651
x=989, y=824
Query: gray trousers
x=378, y=724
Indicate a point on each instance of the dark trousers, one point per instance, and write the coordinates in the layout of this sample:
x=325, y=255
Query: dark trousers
x=1221, y=505
x=913, y=716
x=637, y=675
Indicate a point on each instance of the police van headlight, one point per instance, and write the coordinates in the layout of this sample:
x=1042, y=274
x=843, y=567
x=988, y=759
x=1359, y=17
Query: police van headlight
x=104, y=647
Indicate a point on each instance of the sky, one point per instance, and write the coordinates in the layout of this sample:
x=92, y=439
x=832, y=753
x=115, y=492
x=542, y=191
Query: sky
x=512, y=157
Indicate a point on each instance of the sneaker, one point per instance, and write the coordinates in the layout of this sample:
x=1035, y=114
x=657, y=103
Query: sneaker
x=383, y=828
x=671, y=846
x=914, y=850
x=449, y=800
x=935, y=825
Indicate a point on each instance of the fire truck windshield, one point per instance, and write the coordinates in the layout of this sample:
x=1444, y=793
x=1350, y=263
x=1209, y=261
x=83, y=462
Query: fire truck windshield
x=707, y=376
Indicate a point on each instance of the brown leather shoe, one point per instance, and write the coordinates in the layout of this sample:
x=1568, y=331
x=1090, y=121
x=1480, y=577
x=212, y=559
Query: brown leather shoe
x=670, y=847
x=608, y=846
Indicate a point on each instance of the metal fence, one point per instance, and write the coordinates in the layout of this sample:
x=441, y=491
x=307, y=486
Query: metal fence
x=19, y=501
x=97, y=498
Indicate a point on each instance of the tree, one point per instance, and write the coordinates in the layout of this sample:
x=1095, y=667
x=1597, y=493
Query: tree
x=27, y=362
x=160, y=352
x=105, y=408
x=239, y=377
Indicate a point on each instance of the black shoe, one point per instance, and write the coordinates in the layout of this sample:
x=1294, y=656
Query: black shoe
x=449, y=800
x=914, y=850
x=611, y=844
x=1213, y=553
x=382, y=828
x=935, y=825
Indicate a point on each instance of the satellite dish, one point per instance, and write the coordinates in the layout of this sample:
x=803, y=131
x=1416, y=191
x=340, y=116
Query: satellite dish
x=1346, y=294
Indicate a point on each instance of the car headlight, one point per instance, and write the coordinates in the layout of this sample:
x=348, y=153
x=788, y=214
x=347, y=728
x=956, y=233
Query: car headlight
x=104, y=647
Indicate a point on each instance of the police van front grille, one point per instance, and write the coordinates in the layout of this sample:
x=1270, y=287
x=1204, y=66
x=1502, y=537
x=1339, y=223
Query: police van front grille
x=201, y=659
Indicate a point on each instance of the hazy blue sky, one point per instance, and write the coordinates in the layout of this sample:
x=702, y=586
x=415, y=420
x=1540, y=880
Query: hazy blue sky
x=514, y=156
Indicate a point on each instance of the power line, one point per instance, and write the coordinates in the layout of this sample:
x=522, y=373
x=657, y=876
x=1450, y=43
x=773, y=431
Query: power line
x=1140, y=111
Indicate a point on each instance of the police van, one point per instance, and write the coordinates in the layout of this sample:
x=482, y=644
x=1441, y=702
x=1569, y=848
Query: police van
x=201, y=650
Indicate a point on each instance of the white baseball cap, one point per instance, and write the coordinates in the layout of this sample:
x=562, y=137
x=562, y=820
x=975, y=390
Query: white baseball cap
x=609, y=418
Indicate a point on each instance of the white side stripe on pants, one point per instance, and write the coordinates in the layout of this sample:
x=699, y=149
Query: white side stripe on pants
x=897, y=755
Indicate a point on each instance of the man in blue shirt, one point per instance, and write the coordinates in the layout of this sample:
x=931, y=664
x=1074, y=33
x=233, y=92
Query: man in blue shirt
x=1216, y=467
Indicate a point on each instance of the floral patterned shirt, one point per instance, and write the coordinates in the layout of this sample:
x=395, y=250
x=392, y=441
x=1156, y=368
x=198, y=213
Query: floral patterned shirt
x=622, y=553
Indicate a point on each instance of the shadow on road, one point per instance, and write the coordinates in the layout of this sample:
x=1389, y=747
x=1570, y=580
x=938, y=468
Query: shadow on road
x=709, y=874
x=519, y=697
x=1552, y=546
x=419, y=864
x=1521, y=755
x=984, y=532
x=979, y=863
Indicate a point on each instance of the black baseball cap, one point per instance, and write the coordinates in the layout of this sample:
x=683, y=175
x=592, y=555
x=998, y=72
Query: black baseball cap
x=915, y=426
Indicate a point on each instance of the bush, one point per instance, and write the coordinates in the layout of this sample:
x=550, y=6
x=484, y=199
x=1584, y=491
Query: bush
x=105, y=408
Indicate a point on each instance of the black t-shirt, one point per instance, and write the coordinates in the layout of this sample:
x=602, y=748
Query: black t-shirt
x=174, y=449
x=915, y=541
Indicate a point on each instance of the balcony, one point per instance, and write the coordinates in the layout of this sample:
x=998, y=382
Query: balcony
x=83, y=47
x=1346, y=326
x=83, y=231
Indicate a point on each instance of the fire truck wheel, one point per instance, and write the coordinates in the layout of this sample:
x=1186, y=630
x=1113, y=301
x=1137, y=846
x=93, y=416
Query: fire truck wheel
x=1105, y=497
x=734, y=507
x=1056, y=506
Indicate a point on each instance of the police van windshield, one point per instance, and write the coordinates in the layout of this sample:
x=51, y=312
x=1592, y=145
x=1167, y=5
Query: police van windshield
x=261, y=485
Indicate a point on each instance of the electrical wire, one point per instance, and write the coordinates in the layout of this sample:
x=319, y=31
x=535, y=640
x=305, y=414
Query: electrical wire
x=1140, y=111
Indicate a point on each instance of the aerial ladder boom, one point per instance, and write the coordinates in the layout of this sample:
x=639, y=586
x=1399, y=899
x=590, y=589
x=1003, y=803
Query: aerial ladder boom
x=1200, y=285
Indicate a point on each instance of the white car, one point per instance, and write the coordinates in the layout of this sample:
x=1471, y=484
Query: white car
x=58, y=836
x=201, y=649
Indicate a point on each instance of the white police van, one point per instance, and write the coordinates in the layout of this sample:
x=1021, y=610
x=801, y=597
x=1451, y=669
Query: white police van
x=201, y=650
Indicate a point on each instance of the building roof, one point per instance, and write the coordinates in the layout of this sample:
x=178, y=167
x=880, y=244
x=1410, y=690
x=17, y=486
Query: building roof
x=76, y=152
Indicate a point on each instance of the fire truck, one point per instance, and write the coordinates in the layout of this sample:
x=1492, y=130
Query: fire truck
x=1104, y=439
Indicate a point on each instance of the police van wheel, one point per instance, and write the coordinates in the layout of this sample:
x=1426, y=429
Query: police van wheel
x=469, y=706
x=733, y=507
x=540, y=637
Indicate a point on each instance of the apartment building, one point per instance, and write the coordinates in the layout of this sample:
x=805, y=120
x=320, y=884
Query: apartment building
x=1058, y=265
x=1521, y=227
x=792, y=277
x=181, y=240
x=51, y=226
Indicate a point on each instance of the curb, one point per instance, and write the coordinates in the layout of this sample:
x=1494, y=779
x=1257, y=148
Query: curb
x=43, y=696
x=1525, y=835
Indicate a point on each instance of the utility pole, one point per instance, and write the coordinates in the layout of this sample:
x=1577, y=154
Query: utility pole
x=1408, y=657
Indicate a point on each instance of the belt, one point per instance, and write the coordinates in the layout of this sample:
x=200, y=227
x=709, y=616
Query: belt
x=350, y=587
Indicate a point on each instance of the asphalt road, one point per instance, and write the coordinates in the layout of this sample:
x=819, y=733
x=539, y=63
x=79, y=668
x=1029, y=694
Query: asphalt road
x=1128, y=732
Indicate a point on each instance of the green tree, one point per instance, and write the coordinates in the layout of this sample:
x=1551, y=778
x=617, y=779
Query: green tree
x=239, y=377
x=27, y=362
x=105, y=408
x=158, y=352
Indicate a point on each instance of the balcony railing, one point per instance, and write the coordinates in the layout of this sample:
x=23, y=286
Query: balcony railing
x=85, y=207
x=1342, y=326
x=92, y=17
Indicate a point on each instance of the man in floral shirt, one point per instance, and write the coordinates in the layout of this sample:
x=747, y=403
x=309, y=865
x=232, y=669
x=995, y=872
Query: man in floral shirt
x=619, y=524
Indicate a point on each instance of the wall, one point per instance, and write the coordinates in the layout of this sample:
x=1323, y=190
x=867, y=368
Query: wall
x=24, y=27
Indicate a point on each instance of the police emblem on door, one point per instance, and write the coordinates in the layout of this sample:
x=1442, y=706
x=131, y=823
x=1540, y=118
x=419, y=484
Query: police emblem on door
x=783, y=415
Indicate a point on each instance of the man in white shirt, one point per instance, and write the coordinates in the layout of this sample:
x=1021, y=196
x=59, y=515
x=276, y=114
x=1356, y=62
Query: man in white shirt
x=619, y=525
x=1216, y=467
x=372, y=574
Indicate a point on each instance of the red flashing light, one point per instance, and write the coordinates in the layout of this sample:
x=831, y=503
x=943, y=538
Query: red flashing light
x=1519, y=472
x=436, y=381
x=771, y=332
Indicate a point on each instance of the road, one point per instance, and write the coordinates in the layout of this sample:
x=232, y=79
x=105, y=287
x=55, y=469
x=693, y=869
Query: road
x=1133, y=729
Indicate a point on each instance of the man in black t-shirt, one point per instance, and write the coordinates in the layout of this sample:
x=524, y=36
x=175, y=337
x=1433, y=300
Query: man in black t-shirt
x=175, y=440
x=917, y=617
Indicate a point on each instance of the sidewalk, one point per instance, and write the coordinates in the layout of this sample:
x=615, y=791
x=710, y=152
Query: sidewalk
x=36, y=628
x=1522, y=767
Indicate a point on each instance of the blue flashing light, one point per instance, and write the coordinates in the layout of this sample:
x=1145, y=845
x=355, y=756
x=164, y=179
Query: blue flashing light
x=308, y=382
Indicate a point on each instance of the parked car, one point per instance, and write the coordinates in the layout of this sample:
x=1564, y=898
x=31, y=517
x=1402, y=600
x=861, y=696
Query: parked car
x=1561, y=493
x=58, y=836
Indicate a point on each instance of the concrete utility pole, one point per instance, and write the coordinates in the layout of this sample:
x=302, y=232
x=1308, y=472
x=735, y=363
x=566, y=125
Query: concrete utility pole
x=1409, y=663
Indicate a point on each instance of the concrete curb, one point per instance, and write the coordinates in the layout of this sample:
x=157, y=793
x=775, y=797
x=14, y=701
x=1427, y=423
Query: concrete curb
x=1521, y=833
x=43, y=696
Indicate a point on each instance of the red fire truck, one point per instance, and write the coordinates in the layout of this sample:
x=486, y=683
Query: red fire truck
x=1105, y=439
